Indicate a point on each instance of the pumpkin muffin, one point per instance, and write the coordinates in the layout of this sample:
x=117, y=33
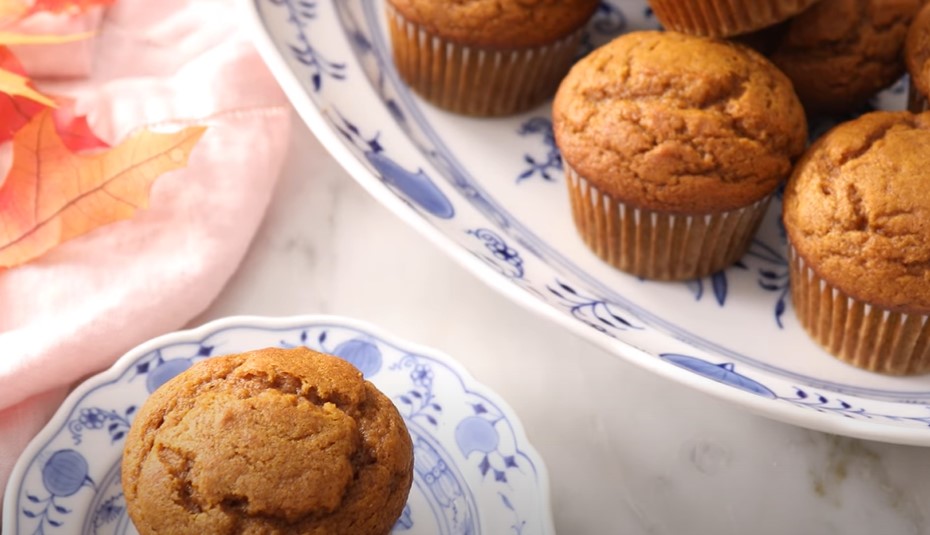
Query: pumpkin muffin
x=724, y=18
x=271, y=441
x=672, y=146
x=839, y=53
x=857, y=215
x=917, y=56
x=486, y=57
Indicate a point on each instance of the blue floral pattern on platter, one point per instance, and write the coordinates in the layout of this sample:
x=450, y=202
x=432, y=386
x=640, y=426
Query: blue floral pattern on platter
x=726, y=373
x=543, y=166
x=300, y=14
x=500, y=177
x=474, y=470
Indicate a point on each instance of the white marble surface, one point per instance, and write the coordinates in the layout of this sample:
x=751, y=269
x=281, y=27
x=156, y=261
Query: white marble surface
x=627, y=452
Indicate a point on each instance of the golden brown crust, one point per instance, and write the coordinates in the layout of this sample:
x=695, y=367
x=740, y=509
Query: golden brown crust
x=723, y=18
x=679, y=124
x=917, y=51
x=839, y=53
x=857, y=210
x=270, y=441
x=505, y=24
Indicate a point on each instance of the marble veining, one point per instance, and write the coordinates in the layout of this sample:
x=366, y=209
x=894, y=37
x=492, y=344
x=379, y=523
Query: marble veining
x=708, y=457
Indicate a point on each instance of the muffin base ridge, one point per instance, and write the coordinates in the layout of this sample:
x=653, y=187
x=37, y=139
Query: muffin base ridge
x=724, y=18
x=657, y=245
x=481, y=82
x=855, y=332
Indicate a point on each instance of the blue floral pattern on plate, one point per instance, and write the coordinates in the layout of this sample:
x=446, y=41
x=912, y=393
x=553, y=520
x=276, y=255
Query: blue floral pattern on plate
x=474, y=470
x=490, y=188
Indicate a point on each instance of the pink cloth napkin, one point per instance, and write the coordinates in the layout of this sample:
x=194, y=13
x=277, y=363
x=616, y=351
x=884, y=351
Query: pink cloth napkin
x=64, y=60
x=74, y=311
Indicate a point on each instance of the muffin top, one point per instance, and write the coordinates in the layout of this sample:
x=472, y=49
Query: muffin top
x=917, y=51
x=679, y=124
x=839, y=53
x=857, y=209
x=271, y=441
x=498, y=23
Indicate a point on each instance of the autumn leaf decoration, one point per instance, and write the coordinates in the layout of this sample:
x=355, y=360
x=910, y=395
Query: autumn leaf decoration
x=15, y=9
x=66, y=6
x=52, y=195
x=65, y=182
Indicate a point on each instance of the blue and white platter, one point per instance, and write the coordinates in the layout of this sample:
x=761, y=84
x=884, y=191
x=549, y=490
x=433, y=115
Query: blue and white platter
x=492, y=194
x=474, y=470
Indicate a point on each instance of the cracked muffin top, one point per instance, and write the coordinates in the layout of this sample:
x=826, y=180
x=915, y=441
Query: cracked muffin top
x=839, y=53
x=917, y=51
x=679, y=124
x=498, y=23
x=271, y=441
x=857, y=210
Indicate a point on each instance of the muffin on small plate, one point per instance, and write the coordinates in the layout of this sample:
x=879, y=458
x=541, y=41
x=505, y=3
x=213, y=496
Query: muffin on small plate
x=673, y=146
x=839, y=53
x=724, y=18
x=917, y=56
x=269, y=441
x=486, y=57
x=857, y=213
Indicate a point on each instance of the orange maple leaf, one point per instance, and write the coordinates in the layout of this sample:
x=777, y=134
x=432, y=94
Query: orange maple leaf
x=73, y=129
x=67, y=6
x=10, y=10
x=15, y=83
x=13, y=80
x=15, y=112
x=52, y=195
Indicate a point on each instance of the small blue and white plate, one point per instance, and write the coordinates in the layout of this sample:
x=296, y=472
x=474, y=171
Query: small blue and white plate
x=474, y=471
x=491, y=193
